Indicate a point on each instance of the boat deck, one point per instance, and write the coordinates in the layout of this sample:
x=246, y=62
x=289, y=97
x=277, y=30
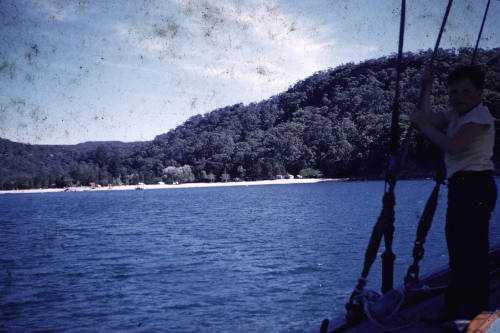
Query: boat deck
x=422, y=306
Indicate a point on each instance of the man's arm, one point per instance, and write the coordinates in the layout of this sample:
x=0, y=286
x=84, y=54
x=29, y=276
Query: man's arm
x=430, y=123
x=424, y=101
x=454, y=144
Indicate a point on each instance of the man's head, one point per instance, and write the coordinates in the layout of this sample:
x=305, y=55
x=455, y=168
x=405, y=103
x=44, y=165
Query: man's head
x=465, y=88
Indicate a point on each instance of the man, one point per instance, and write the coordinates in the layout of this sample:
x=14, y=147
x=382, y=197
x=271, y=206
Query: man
x=468, y=146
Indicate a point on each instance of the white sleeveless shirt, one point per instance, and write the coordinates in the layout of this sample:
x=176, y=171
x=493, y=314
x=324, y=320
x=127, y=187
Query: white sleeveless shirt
x=477, y=156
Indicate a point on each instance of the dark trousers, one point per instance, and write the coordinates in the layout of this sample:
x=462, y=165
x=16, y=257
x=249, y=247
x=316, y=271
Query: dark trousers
x=471, y=199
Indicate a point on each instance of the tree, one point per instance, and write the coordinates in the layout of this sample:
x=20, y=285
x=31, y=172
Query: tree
x=115, y=163
x=171, y=174
x=311, y=173
x=186, y=174
x=182, y=174
x=225, y=177
x=101, y=156
x=241, y=172
x=211, y=177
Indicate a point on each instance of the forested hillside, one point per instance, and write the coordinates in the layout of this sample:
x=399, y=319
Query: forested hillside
x=35, y=166
x=334, y=123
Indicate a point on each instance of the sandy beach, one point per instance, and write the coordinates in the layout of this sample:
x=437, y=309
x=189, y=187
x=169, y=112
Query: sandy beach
x=187, y=185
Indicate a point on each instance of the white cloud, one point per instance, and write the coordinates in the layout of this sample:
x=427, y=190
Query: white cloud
x=251, y=74
x=255, y=42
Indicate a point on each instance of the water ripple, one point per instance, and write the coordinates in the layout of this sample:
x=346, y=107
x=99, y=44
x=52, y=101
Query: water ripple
x=242, y=259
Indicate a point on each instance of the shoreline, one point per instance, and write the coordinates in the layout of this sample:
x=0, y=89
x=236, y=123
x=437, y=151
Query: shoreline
x=186, y=185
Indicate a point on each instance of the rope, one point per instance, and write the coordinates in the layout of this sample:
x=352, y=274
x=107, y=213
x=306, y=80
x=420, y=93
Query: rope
x=395, y=164
x=424, y=226
x=358, y=302
x=387, y=215
x=385, y=222
x=480, y=32
x=430, y=207
x=406, y=141
x=395, y=113
x=443, y=24
x=370, y=297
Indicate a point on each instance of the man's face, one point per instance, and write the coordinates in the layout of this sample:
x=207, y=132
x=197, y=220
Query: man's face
x=464, y=95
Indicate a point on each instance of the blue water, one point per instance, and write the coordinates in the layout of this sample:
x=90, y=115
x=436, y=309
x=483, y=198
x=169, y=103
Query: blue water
x=276, y=258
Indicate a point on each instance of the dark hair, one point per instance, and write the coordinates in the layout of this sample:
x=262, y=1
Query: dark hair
x=474, y=73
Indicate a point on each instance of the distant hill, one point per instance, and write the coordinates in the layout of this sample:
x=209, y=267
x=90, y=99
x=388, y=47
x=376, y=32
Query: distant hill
x=334, y=123
x=22, y=164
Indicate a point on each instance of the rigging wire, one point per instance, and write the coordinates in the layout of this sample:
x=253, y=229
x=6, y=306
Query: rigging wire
x=480, y=32
x=385, y=222
x=425, y=221
x=409, y=132
x=388, y=256
x=441, y=30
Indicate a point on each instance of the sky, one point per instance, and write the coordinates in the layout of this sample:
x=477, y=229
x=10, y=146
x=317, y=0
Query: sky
x=128, y=70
